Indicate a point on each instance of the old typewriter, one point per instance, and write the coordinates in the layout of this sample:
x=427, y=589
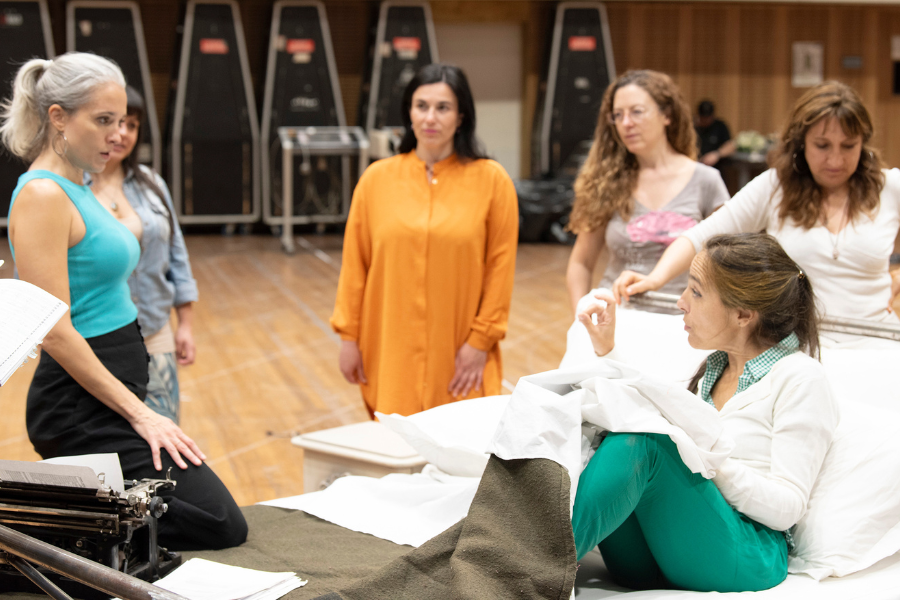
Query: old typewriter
x=71, y=508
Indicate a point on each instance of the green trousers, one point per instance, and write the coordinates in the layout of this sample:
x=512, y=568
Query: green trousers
x=660, y=526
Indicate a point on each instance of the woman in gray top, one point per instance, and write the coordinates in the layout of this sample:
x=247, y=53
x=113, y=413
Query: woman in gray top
x=641, y=186
x=139, y=199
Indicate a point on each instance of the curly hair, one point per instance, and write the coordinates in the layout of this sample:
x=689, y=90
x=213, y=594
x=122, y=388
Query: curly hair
x=607, y=180
x=801, y=195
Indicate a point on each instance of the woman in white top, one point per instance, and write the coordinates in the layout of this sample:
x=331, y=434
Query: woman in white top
x=659, y=525
x=640, y=186
x=826, y=200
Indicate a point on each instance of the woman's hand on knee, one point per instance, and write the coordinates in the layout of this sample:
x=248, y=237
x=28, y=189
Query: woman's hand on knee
x=600, y=321
x=469, y=371
x=350, y=362
x=160, y=432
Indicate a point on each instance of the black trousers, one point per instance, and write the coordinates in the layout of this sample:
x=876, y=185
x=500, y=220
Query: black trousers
x=63, y=419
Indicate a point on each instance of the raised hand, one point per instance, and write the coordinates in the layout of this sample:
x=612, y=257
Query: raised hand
x=599, y=318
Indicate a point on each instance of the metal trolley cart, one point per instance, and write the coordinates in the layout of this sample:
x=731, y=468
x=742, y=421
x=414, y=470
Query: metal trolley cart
x=579, y=71
x=114, y=30
x=214, y=163
x=302, y=90
x=317, y=143
x=24, y=33
x=404, y=42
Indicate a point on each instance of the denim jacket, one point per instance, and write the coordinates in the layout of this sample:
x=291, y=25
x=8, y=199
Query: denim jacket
x=162, y=278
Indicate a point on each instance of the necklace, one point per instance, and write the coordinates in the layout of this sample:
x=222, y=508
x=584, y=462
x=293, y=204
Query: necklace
x=114, y=206
x=834, y=242
x=835, y=237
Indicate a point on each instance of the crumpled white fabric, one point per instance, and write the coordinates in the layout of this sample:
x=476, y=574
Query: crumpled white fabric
x=545, y=415
x=452, y=437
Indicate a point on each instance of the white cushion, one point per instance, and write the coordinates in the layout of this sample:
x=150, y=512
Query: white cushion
x=853, y=516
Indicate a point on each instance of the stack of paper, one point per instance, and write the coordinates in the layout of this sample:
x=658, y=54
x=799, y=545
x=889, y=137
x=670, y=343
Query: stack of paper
x=199, y=579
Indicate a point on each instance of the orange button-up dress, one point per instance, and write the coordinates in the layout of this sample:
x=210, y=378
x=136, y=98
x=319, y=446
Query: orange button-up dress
x=426, y=267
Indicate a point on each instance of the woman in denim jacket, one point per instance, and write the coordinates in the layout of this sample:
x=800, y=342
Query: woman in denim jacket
x=139, y=198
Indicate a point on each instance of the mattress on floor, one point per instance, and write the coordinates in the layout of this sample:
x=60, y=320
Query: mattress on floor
x=331, y=556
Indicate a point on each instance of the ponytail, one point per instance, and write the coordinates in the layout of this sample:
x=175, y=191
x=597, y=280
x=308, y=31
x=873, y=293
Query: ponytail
x=67, y=80
x=23, y=130
x=807, y=328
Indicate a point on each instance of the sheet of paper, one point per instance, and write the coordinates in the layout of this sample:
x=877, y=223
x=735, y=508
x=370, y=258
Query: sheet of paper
x=48, y=474
x=200, y=579
x=107, y=464
x=27, y=313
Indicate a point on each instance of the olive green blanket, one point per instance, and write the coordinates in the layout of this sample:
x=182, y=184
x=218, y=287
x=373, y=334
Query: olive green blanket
x=516, y=543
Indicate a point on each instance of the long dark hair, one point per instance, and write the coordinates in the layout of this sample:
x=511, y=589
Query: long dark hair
x=752, y=271
x=137, y=109
x=465, y=144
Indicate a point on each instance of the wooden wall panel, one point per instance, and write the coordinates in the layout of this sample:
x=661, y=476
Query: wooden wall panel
x=619, y=15
x=888, y=104
x=660, y=36
x=737, y=54
x=755, y=66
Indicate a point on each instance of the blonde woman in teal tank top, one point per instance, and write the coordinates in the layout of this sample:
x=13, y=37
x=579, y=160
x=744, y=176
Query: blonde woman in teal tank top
x=88, y=391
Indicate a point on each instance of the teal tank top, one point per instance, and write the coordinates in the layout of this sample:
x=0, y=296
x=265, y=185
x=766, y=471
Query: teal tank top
x=99, y=265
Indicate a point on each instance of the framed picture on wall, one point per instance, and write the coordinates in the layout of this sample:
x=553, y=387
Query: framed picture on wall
x=808, y=64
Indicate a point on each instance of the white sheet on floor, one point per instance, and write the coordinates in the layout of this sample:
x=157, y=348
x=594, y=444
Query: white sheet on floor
x=404, y=509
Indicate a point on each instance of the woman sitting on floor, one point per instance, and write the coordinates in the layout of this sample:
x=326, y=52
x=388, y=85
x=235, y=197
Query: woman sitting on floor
x=659, y=525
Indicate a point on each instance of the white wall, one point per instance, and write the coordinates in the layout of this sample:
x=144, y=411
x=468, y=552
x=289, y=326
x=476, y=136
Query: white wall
x=491, y=56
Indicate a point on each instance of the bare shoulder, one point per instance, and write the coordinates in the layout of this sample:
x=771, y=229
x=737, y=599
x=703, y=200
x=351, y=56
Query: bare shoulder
x=42, y=204
x=41, y=193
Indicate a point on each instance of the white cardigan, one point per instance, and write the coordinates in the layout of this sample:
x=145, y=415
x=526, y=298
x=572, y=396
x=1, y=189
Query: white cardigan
x=782, y=427
x=858, y=283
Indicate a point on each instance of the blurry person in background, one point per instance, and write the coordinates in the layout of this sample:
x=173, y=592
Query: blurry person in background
x=139, y=199
x=713, y=137
x=640, y=186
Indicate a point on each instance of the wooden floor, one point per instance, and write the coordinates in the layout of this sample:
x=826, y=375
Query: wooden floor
x=266, y=365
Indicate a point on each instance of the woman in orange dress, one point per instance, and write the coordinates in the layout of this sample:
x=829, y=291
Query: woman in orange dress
x=428, y=259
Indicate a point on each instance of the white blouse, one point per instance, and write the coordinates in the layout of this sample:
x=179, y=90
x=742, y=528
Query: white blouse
x=782, y=427
x=856, y=284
